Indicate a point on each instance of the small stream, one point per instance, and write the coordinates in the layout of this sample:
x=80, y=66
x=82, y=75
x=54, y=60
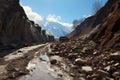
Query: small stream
x=40, y=69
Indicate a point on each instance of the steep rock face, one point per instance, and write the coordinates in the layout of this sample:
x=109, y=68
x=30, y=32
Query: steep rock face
x=91, y=22
x=15, y=28
x=84, y=28
x=109, y=32
x=104, y=26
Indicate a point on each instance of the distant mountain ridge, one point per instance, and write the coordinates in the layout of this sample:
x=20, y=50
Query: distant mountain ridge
x=55, y=28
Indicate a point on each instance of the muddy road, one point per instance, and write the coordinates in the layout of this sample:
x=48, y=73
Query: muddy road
x=32, y=63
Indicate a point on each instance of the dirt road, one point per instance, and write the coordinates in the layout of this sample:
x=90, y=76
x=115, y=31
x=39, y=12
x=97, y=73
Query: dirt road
x=14, y=65
x=32, y=63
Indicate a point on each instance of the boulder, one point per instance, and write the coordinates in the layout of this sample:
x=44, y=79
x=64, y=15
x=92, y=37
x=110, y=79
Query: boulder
x=80, y=62
x=87, y=68
x=115, y=56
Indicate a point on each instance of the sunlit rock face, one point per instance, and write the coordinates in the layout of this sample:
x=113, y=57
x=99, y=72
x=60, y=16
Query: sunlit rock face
x=104, y=26
x=108, y=34
x=15, y=28
x=91, y=22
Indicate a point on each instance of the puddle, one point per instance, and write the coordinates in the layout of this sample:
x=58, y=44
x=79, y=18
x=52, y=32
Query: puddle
x=44, y=57
x=40, y=70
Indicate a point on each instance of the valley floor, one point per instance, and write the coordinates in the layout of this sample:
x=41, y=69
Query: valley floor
x=31, y=63
x=73, y=60
x=14, y=64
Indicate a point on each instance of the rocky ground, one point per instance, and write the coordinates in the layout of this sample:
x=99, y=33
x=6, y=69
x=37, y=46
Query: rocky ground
x=77, y=59
x=32, y=63
x=14, y=65
x=87, y=60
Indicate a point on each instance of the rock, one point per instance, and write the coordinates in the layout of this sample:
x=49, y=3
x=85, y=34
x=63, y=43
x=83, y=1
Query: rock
x=107, y=68
x=17, y=69
x=115, y=56
x=87, y=68
x=80, y=62
x=84, y=49
x=82, y=78
x=72, y=74
x=53, y=61
x=103, y=73
x=116, y=74
x=92, y=43
x=73, y=66
x=19, y=51
x=56, y=53
x=72, y=55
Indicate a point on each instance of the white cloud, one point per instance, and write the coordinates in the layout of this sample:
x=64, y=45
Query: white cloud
x=66, y=24
x=32, y=15
x=53, y=18
x=86, y=16
x=38, y=18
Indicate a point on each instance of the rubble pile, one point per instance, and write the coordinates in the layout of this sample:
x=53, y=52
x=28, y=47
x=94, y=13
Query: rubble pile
x=87, y=61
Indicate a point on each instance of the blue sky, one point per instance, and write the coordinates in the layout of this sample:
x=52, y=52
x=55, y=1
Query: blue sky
x=65, y=10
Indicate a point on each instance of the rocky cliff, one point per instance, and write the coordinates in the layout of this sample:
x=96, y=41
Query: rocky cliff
x=16, y=28
x=103, y=27
x=91, y=22
x=108, y=34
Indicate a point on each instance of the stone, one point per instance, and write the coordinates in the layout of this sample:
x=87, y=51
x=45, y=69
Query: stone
x=72, y=55
x=87, y=68
x=19, y=51
x=72, y=74
x=107, y=68
x=82, y=78
x=103, y=73
x=73, y=66
x=53, y=61
x=116, y=74
x=92, y=43
x=115, y=56
x=80, y=62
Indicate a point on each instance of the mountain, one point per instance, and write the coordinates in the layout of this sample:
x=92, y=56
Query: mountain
x=91, y=22
x=55, y=28
x=103, y=27
x=16, y=28
x=108, y=33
